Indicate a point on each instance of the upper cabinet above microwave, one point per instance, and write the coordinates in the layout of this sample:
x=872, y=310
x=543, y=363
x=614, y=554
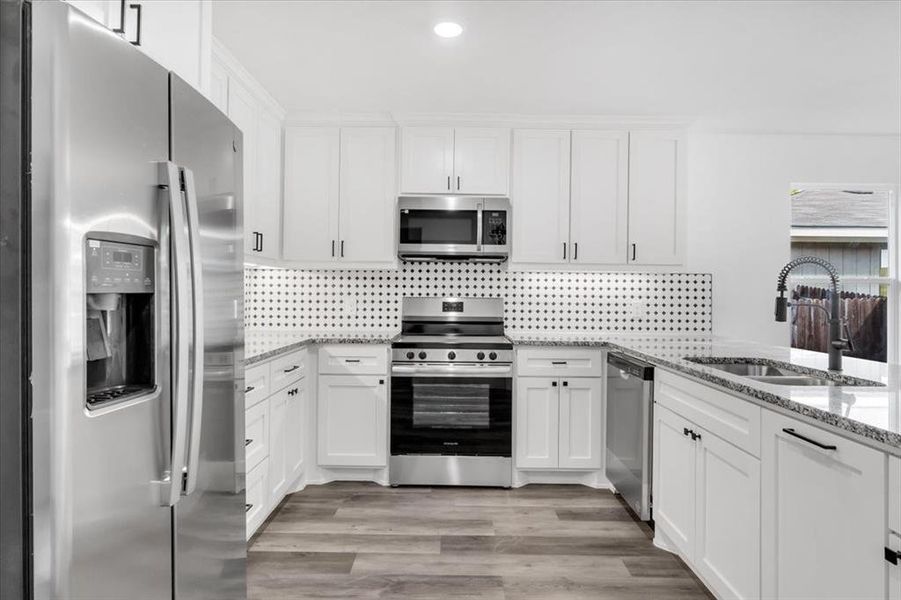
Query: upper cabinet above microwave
x=461, y=160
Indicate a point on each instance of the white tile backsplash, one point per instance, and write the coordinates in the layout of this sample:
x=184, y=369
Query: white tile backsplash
x=533, y=301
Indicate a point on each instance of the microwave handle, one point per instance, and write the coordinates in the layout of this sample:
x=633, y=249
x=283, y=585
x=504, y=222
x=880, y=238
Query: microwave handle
x=479, y=208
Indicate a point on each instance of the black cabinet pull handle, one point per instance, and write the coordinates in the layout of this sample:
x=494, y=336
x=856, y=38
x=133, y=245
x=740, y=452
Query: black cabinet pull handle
x=121, y=28
x=458, y=182
x=794, y=433
x=261, y=242
x=448, y=182
x=381, y=382
x=576, y=251
x=247, y=442
x=247, y=507
x=333, y=248
x=686, y=431
x=352, y=360
x=138, y=8
x=249, y=389
x=342, y=248
x=294, y=368
x=553, y=384
x=695, y=436
x=558, y=362
x=565, y=384
x=893, y=556
x=633, y=251
x=564, y=250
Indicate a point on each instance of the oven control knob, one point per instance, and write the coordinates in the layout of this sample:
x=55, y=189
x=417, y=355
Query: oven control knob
x=451, y=355
x=410, y=355
x=422, y=355
x=492, y=355
x=480, y=356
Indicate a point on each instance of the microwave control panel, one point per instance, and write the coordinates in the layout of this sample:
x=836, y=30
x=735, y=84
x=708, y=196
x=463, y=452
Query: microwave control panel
x=494, y=228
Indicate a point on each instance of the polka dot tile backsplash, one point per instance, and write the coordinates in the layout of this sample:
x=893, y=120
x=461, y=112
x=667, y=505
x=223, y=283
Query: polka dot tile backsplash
x=533, y=301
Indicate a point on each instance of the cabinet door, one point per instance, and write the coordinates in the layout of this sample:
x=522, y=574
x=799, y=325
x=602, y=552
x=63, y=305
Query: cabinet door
x=255, y=497
x=294, y=429
x=656, y=197
x=537, y=423
x=352, y=415
x=427, y=160
x=105, y=12
x=894, y=570
x=581, y=423
x=310, y=228
x=822, y=514
x=243, y=111
x=727, y=547
x=174, y=34
x=481, y=160
x=277, y=464
x=598, y=221
x=674, y=485
x=540, y=196
x=366, y=225
x=219, y=86
x=269, y=180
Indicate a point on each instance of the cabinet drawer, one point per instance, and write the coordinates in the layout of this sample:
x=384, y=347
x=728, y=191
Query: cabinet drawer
x=256, y=434
x=353, y=359
x=256, y=384
x=255, y=496
x=287, y=369
x=735, y=420
x=894, y=494
x=560, y=362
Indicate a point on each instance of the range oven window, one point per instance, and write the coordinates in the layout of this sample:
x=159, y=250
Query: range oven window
x=468, y=416
x=451, y=405
x=439, y=226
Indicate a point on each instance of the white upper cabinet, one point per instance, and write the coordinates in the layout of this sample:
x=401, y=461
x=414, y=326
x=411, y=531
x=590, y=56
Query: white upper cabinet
x=465, y=160
x=427, y=160
x=267, y=213
x=540, y=196
x=311, y=194
x=244, y=112
x=823, y=514
x=175, y=34
x=481, y=160
x=599, y=205
x=340, y=192
x=367, y=196
x=656, y=197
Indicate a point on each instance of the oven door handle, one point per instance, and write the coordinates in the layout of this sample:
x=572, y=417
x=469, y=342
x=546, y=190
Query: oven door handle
x=452, y=371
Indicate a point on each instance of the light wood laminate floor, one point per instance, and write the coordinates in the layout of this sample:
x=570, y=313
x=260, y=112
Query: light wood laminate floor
x=539, y=542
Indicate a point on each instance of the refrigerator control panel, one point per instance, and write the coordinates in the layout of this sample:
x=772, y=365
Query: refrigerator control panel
x=118, y=267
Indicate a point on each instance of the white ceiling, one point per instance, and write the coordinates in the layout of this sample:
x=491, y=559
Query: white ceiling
x=747, y=66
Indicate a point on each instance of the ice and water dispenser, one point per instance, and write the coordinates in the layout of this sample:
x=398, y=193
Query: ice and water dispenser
x=120, y=340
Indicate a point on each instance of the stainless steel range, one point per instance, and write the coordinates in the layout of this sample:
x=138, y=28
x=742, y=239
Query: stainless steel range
x=452, y=394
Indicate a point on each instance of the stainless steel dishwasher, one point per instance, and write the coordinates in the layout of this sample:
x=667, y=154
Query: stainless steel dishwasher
x=630, y=413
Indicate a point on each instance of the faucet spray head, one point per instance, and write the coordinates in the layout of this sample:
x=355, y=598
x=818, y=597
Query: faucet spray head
x=781, y=307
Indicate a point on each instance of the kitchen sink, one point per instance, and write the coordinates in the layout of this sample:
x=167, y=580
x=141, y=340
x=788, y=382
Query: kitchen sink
x=767, y=371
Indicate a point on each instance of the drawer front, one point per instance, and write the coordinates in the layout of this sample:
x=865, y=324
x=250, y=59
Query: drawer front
x=287, y=369
x=353, y=359
x=894, y=494
x=560, y=362
x=732, y=419
x=255, y=497
x=256, y=434
x=256, y=384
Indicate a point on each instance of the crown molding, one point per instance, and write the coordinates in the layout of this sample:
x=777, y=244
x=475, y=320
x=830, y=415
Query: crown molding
x=389, y=118
x=231, y=64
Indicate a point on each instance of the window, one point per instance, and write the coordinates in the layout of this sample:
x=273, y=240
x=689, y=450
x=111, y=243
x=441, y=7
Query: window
x=855, y=228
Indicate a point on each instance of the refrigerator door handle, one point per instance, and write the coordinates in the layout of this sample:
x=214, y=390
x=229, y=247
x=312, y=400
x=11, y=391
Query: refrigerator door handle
x=193, y=222
x=171, y=482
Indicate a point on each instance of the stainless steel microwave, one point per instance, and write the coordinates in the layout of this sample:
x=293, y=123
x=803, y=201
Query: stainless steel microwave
x=453, y=228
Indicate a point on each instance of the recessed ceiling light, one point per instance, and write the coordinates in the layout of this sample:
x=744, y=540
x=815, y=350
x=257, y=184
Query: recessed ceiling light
x=448, y=29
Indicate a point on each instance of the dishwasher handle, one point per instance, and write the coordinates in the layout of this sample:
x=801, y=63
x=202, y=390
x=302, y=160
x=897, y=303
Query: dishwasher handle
x=633, y=367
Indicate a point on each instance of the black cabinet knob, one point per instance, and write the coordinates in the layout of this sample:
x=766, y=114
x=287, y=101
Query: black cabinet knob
x=410, y=355
x=493, y=355
x=422, y=355
x=480, y=356
x=451, y=355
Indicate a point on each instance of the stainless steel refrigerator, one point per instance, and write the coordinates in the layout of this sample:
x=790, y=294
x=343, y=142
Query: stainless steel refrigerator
x=136, y=324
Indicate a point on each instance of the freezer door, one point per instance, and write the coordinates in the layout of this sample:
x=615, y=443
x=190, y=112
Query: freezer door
x=99, y=129
x=210, y=546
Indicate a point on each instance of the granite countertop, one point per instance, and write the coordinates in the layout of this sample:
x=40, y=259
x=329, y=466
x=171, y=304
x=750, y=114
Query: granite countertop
x=873, y=413
x=263, y=344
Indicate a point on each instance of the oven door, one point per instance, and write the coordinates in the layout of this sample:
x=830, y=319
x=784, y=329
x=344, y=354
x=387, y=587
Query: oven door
x=451, y=410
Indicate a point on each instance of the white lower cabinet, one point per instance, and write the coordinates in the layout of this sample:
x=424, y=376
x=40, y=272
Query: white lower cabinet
x=278, y=477
x=893, y=548
x=255, y=496
x=295, y=409
x=823, y=514
x=558, y=423
x=707, y=503
x=352, y=420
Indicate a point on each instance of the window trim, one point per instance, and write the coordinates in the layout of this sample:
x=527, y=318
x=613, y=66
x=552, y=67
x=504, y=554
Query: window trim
x=893, y=334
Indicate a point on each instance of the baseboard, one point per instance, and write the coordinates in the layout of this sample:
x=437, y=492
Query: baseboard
x=592, y=479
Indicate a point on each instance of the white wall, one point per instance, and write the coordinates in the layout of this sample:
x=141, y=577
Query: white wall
x=739, y=217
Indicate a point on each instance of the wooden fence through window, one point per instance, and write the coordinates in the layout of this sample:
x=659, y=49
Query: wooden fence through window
x=867, y=321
